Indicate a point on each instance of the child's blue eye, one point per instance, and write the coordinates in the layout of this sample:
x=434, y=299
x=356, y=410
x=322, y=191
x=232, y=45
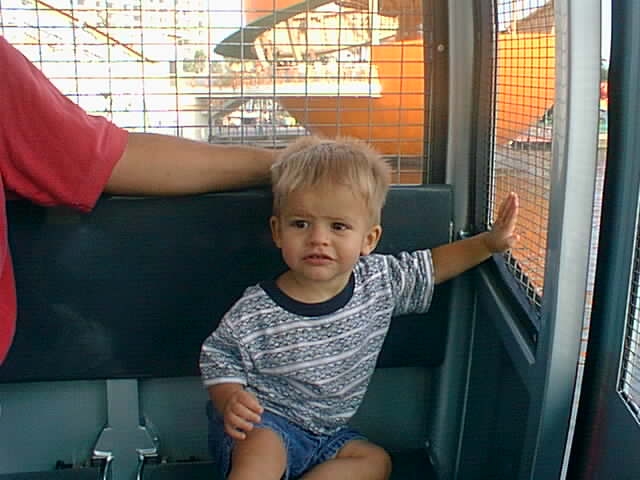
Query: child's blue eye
x=300, y=223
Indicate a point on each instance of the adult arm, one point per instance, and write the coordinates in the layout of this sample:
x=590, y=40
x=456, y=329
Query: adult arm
x=53, y=152
x=454, y=258
x=166, y=165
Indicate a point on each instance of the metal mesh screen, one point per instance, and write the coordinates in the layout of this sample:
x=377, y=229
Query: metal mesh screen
x=244, y=71
x=630, y=371
x=524, y=60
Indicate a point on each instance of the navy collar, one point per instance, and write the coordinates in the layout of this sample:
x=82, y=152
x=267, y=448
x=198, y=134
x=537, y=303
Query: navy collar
x=309, y=309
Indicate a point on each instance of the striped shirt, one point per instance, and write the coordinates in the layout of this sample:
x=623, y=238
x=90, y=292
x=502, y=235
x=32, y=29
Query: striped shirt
x=312, y=363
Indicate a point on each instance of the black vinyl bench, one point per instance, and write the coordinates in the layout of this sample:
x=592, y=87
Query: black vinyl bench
x=114, y=305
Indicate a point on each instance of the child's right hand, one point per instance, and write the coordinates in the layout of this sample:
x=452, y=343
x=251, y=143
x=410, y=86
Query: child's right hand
x=241, y=411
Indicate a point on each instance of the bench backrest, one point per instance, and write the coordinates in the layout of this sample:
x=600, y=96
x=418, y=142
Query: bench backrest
x=132, y=289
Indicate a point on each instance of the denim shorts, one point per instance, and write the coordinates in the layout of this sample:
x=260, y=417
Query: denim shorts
x=304, y=449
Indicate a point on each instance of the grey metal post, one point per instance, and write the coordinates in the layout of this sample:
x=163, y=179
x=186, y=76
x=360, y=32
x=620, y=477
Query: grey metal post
x=575, y=143
x=123, y=442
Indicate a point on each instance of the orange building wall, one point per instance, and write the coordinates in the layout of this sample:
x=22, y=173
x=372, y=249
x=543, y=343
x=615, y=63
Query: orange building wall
x=394, y=120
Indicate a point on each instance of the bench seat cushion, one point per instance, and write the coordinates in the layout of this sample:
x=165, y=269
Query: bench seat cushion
x=133, y=288
x=88, y=473
x=407, y=465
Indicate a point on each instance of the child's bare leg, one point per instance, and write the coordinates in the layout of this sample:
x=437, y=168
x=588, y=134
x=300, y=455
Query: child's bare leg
x=261, y=456
x=357, y=460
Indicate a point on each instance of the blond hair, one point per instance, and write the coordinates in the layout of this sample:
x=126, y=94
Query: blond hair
x=345, y=161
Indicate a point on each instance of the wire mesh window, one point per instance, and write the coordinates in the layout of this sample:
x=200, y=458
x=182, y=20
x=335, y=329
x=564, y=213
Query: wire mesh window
x=239, y=71
x=524, y=61
x=630, y=371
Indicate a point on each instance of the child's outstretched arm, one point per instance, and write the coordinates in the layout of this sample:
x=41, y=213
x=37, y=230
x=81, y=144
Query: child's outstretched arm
x=454, y=258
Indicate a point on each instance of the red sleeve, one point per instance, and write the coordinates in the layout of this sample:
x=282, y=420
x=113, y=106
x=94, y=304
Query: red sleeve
x=51, y=151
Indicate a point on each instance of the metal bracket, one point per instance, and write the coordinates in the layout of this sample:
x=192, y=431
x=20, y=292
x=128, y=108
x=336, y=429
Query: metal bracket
x=105, y=459
x=124, y=444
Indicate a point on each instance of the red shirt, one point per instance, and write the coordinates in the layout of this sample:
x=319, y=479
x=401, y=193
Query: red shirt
x=51, y=152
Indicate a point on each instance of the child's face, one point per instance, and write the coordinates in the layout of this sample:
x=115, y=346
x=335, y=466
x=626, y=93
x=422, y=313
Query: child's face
x=322, y=231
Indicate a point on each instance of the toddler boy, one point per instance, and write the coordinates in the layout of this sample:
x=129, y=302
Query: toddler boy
x=290, y=362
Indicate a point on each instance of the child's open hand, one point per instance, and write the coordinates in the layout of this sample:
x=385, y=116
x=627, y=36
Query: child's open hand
x=241, y=411
x=502, y=237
